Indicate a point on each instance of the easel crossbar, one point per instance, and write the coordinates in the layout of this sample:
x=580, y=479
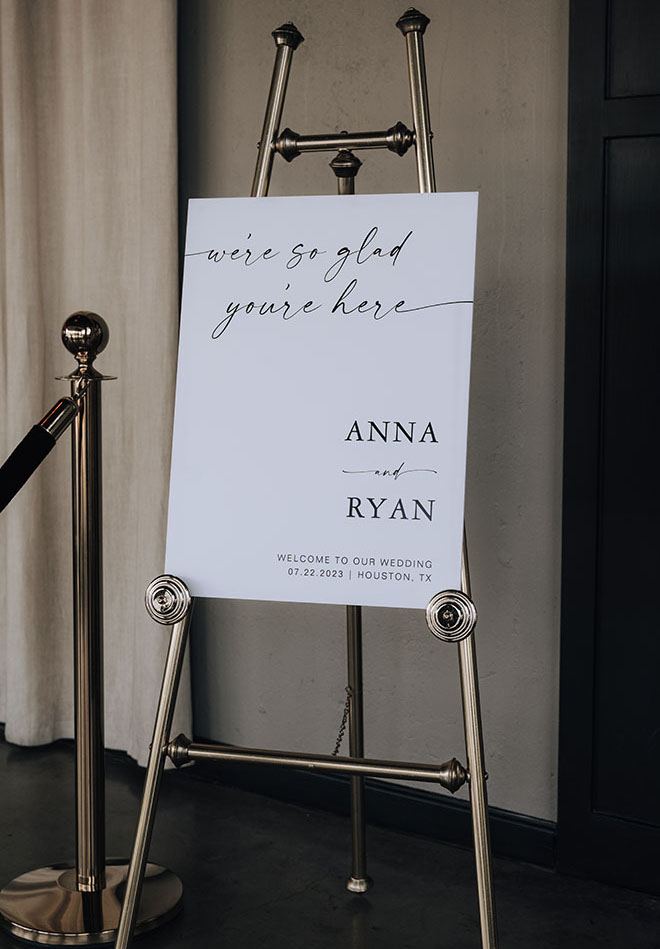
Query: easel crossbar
x=290, y=144
x=450, y=775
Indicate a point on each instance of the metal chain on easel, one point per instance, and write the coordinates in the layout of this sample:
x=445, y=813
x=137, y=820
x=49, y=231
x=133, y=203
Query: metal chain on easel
x=344, y=720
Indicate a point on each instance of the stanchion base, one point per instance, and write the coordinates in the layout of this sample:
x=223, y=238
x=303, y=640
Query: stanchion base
x=44, y=905
x=358, y=885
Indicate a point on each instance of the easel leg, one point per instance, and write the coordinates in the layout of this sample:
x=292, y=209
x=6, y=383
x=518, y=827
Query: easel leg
x=160, y=596
x=358, y=882
x=467, y=659
x=467, y=664
x=287, y=39
x=451, y=616
x=346, y=166
x=413, y=25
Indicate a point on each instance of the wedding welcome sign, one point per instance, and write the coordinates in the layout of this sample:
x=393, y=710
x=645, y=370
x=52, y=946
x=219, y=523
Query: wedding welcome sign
x=322, y=398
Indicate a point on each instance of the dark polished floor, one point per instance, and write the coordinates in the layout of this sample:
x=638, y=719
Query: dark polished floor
x=258, y=872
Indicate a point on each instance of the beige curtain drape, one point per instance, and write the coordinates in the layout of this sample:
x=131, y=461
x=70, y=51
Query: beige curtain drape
x=88, y=221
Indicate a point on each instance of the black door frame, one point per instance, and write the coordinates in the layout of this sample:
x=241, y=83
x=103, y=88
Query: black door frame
x=590, y=844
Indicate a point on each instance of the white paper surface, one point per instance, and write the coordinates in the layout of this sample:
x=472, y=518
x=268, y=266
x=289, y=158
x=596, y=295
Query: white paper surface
x=320, y=427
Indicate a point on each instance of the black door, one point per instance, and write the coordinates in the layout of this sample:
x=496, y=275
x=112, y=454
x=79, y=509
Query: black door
x=609, y=781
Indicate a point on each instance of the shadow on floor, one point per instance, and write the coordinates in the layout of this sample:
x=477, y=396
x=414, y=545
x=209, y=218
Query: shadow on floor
x=259, y=872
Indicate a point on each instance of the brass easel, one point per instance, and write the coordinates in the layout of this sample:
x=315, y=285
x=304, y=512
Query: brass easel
x=450, y=615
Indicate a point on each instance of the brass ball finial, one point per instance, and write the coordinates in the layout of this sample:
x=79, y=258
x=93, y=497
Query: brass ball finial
x=85, y=335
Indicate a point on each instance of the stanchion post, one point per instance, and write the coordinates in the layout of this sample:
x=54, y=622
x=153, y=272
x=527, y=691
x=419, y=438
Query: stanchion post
x=60, y=905
x=86, y=335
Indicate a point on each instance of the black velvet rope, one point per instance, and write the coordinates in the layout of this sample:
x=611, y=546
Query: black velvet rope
x=23, y=461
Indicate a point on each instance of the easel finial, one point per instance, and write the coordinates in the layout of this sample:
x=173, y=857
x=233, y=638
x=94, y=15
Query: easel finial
x=288, y=35
x=412, y=21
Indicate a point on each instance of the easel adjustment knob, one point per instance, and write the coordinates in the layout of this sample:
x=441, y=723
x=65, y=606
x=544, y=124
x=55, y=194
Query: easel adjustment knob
x=167, y=600
x=451, y=616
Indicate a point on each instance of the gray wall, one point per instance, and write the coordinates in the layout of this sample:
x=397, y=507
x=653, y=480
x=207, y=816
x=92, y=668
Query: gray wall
x=274, y=674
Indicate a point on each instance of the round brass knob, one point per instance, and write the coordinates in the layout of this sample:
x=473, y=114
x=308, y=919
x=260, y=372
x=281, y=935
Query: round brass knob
x=451, y=616
x=167, y=600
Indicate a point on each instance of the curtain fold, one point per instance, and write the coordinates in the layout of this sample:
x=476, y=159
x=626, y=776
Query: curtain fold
x=88, y=218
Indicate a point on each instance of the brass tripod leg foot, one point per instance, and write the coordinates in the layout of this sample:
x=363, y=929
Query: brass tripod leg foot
x=359, y=884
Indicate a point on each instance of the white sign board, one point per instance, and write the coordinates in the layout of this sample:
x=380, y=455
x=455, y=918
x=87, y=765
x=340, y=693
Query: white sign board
x=322, y=398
